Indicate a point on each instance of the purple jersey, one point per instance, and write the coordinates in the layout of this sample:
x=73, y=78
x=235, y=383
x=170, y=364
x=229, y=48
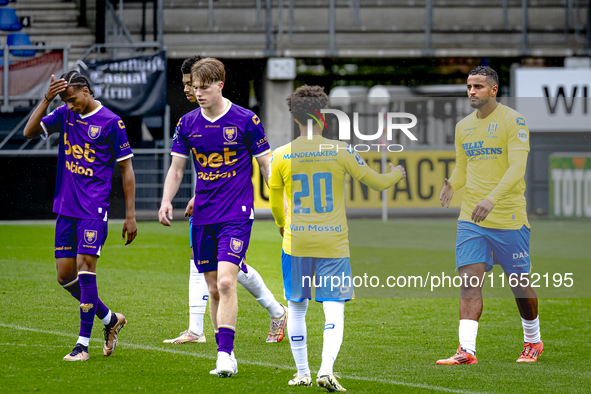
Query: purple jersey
x=222, y=151
x=88, y=148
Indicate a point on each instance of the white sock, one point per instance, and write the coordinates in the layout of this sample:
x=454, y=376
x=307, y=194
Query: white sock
x=296, y=329
x=107, y=319
x=531, y=330
x=198, y=295
x=334, y=324
x=83, y=341
x=468, y=332
x=254, y=284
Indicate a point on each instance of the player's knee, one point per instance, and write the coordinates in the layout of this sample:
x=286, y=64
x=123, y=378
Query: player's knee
x=86, y=262
x=63, y=278
x=226, y=284
x=214, y=293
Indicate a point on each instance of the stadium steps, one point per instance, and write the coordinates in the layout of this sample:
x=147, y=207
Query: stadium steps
x=384, y=26
x=54, y=22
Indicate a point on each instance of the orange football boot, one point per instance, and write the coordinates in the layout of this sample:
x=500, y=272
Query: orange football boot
x=461, y=357
x=531, y=352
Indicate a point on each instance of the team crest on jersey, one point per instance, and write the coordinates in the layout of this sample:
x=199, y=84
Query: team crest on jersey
x=236, y=245
x=94, y=131
x=359, y=159
x=86, y=307
x=520, y=121
x=90, y=236
x=230, y=133
x=492, y=128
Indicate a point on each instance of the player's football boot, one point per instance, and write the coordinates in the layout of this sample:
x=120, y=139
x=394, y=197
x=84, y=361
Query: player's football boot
x=226, y=365
x=233, y=358
x=329, y=381
x=277, y=329
x=461, y=357
x=80, y=353
x=111, y=332
x=531, y=352
x=187, y=337
x=305, y=380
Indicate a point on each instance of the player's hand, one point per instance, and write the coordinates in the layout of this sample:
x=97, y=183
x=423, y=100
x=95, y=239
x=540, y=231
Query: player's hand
x=281, y=231
x=399, y=168
x=189, y=209
x=129, y=227
x=447, y=192
x=165, y=213
x=482, y=210
x=55, y=88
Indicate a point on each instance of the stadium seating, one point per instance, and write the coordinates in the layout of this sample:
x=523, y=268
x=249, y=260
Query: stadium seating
x=20, y=39
x=9, y=20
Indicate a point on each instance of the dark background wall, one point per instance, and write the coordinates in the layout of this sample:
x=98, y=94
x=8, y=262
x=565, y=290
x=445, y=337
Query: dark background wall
x=29, y=185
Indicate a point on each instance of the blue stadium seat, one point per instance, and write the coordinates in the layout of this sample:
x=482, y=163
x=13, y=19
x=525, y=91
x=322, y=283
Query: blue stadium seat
x=9, y=20
x=3, y=2
x=20, y=39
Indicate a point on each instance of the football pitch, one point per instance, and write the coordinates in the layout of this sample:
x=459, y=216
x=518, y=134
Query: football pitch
x=390, y=344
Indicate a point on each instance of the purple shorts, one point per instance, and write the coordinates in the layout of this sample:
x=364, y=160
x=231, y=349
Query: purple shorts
x=226, y=241
x=75, y=236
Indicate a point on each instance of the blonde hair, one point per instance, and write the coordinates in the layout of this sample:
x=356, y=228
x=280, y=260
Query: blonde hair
x=207, y=71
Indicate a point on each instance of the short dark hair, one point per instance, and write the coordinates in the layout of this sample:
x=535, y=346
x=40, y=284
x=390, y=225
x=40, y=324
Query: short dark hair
x=489, y=73
x=77, y=80
x=188, y=63
x=304, y=99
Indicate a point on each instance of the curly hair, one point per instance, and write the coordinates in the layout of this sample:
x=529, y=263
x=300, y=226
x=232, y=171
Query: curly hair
x=489, y=73
x=304, y=99
x=188, y=63
x=77, y=80
x=208, y=71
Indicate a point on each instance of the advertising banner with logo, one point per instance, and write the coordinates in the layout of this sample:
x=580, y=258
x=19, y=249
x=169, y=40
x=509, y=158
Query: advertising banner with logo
x=425, y=170
x=554, y=99
x=570, y=185
x=130, y=87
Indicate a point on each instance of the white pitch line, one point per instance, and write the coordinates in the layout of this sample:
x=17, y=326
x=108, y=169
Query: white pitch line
x=242, y=361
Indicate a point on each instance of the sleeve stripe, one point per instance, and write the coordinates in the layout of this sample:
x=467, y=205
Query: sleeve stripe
x=263, y=153
x=179, y=155
x=129, y=156
x=45, y=133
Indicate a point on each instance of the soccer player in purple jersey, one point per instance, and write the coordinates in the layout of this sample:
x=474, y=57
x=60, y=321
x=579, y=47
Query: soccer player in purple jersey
x=251, y=280
x=93, y=139
x=223, y=138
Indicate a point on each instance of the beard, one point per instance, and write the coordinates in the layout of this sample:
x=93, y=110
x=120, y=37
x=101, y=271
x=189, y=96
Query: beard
x=480, y=103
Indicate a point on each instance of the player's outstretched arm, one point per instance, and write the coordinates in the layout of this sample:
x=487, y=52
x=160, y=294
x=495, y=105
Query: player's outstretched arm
x=171, y=187
x=130, y=225
x=447, y=193
x=33, y=127
x=264, y=164
x=381, y=182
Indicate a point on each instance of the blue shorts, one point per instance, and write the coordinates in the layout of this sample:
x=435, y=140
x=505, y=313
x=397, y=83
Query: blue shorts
x=333, y=282
x=507, y=248
x=226, y=241
x=75, y=236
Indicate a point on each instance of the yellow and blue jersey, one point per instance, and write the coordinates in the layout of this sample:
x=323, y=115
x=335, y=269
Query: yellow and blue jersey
x=482, y=159
x=313, y=179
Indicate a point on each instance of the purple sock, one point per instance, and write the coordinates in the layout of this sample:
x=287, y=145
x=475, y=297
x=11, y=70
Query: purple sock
x=88, y=302
x=74, y=289
x=226, y=340
x=217, y=338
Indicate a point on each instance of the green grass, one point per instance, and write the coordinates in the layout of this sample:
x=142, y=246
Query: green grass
x=391, y=342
